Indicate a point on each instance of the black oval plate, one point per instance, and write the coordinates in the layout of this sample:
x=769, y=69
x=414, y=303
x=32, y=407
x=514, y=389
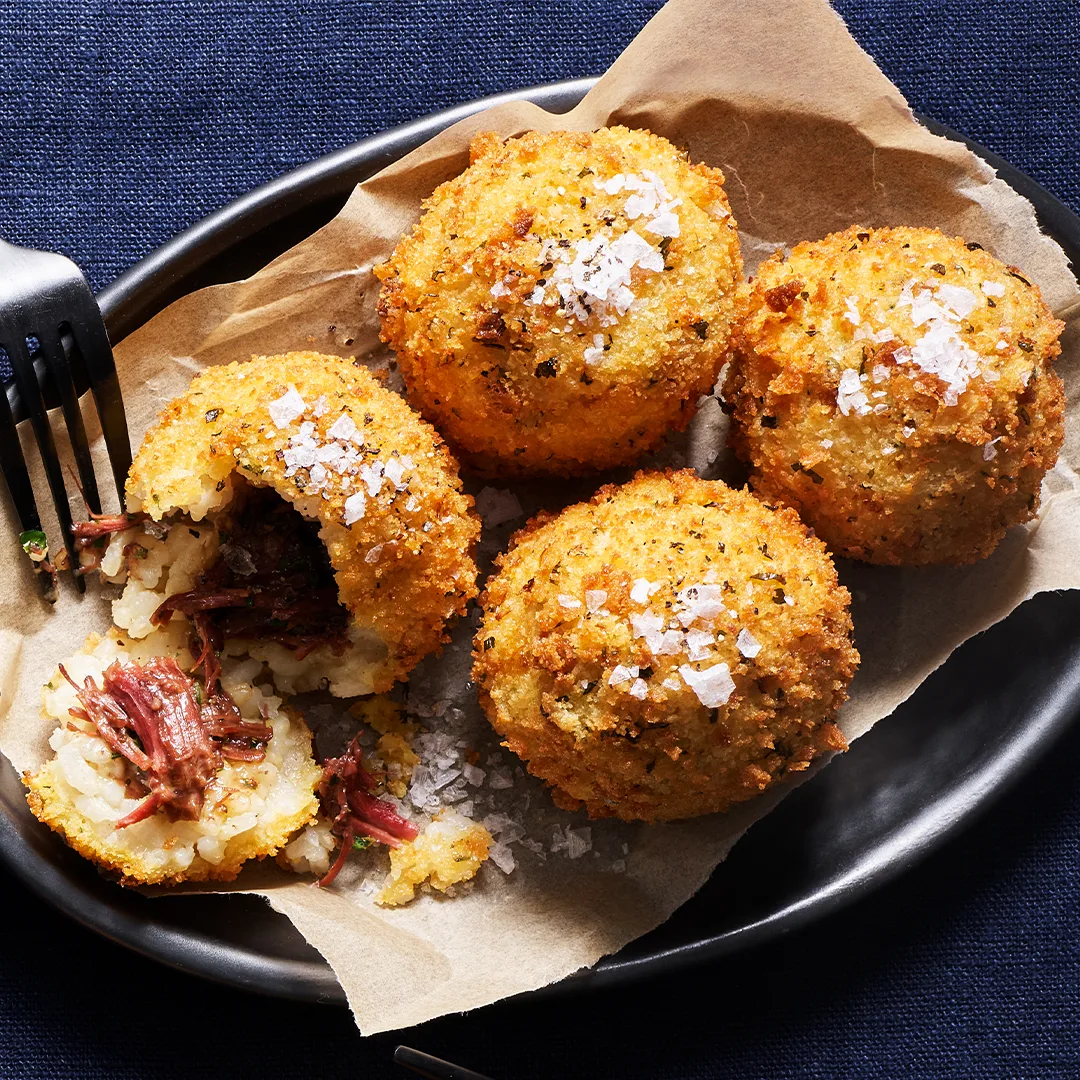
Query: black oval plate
x=901, y=790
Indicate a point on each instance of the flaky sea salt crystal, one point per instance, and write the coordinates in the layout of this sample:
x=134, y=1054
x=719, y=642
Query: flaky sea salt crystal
x=497, y=506
x=592, y=276
x=698, y=644
x=579, y=841
x=940, y=351
x=852, y=310
x=343, y=428
x=962, y=302
x=621, y=674
x=569, y=602
x=301, y=454
x=850, y=395
x=713, y=686
x=501, y=855
x=287, y=408
x=642, y=590
x=645, y=622
x=639, y=690
x=395, y=470
x=993, y=288
x=374, y=553
x=747, y=644
x=632, y=248
x=671, y=683
x=612, y=186
x=595, y=353
x=329, y=453
x=594, y=600
x=664, y=224
x=922, y=304
x=501, y=778
x=372, y=476
x=990, y=449
x=355, y=505
x=701, y=601
x=473, y=774
x=320, y=406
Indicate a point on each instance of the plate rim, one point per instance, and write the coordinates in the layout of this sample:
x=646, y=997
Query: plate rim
x=157, y=279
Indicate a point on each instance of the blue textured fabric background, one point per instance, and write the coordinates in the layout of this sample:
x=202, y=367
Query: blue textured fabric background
x=122, y=122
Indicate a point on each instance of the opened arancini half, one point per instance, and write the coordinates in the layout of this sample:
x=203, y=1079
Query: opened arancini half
x=296, y=511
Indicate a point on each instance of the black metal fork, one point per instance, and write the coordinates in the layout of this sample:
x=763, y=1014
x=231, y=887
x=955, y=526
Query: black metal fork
x=52, y=331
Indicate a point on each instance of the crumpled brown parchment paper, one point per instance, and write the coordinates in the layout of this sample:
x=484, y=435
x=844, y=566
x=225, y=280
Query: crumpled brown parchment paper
x=812, y=138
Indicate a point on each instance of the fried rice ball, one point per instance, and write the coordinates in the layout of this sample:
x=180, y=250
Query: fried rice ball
x=562, y=305
x=671, y=648
x=349, y=456
x=249, y=810
x=896, y=387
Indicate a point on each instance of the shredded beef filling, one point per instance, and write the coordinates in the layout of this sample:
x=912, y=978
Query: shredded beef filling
x=272, y=582
x=345, y=792
x=91, y=537
x=153, y=715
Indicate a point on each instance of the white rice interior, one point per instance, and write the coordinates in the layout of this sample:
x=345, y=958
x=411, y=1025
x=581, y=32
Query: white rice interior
x=173, y=564
x=246, y=803
x=311, y=850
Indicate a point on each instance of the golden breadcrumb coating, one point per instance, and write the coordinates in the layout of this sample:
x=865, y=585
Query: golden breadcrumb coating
x=449, y=851
x=671, y=648
x=562, y=305
x=896, y=386
x=394, y=745
x=251, y=808
x=397, y=527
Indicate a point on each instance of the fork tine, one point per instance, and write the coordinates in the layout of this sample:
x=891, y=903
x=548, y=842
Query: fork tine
x=94, y=352
x=56, y=362
x=18, y=484
x=15, y=474
x=26, y=380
